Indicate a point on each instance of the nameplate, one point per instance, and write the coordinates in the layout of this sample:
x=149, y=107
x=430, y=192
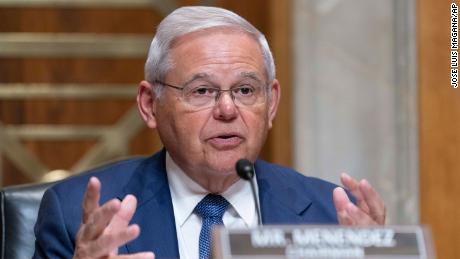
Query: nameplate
x=307, y=241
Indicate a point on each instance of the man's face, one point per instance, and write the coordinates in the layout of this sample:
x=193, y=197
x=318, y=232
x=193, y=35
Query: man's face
x=207, y=142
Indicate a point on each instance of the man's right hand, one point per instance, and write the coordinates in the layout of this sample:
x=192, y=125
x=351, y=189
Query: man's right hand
x=105, y=228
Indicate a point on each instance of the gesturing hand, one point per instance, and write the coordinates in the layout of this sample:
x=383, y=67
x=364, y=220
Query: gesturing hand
x=105, y=228
x=369, y=210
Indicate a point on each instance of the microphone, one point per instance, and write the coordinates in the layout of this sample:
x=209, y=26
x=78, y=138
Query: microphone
x=245, y=170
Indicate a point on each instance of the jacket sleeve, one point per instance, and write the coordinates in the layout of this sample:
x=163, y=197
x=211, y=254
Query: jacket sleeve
x=52, y=239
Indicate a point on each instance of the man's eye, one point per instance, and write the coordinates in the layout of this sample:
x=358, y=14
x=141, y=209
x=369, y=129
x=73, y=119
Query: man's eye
x=204, y=91
x=244, y=90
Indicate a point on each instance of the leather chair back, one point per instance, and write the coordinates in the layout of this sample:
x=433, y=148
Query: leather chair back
x=19, y=208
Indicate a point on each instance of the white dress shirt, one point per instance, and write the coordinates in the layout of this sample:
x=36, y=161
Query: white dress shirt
x=186, y=194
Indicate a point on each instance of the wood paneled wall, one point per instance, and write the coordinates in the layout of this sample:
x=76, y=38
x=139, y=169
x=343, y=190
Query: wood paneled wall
x=439, y=107
x=271, y=17
x=279, y=145
x=75, y=70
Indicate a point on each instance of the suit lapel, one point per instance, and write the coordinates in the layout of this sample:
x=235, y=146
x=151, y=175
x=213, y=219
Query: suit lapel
x=154, y=213
x=279, y=197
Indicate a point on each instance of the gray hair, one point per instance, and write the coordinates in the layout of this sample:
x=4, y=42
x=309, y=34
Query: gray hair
x=189, y=19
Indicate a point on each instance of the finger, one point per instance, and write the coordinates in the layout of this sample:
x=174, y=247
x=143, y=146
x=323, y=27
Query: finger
x=353, y=186
x=110, y=241
x=341, y=200
x=142, y=255
x=126, y=212
x=99, y=220
x=120, y=220
x=128, y=207
x=91, y=197
x=359, y=217
x=373, y=201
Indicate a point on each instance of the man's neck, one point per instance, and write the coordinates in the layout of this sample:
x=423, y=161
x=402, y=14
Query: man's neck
x=211, y=182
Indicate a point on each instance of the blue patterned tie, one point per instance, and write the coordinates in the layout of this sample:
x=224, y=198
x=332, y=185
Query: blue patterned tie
x=211, y=209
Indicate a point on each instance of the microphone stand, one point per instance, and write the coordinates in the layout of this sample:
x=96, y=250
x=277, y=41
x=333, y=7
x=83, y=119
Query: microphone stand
x=245, y=170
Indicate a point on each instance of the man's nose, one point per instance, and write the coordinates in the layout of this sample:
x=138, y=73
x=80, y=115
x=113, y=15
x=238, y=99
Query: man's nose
x=225, y=108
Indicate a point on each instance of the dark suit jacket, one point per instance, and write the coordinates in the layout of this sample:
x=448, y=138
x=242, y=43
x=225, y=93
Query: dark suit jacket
x=286, y=197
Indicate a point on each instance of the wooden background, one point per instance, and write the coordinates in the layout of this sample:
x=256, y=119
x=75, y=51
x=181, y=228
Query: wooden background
x=439, y=104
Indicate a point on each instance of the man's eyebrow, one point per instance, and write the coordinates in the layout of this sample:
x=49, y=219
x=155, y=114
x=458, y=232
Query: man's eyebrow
x=251, y=75
x=199, y=76
x=196, y=77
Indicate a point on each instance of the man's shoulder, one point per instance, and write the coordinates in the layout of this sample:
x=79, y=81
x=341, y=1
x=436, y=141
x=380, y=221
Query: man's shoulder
x=309, y=198
x=291, y=177
x=113, y=177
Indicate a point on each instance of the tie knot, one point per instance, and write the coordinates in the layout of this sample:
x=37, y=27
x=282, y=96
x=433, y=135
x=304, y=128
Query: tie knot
x=212, y=206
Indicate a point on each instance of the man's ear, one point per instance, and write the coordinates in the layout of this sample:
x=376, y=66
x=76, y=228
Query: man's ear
x=273, y=102
x=146, y=103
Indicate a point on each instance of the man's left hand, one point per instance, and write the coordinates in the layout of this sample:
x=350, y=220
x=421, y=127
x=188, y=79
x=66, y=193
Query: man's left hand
x=369, y=209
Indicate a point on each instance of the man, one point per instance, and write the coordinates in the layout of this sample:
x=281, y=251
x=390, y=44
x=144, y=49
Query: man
x=211, y=93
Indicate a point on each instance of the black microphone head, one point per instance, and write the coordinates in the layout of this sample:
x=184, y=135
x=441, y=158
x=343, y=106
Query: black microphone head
x=245, y=169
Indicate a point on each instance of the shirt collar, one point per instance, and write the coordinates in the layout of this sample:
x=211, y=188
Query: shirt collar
x=186, y=194
x=240, y=197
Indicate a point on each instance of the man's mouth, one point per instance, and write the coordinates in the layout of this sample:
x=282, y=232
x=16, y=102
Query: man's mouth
x=225, y=141
x=227, y=136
